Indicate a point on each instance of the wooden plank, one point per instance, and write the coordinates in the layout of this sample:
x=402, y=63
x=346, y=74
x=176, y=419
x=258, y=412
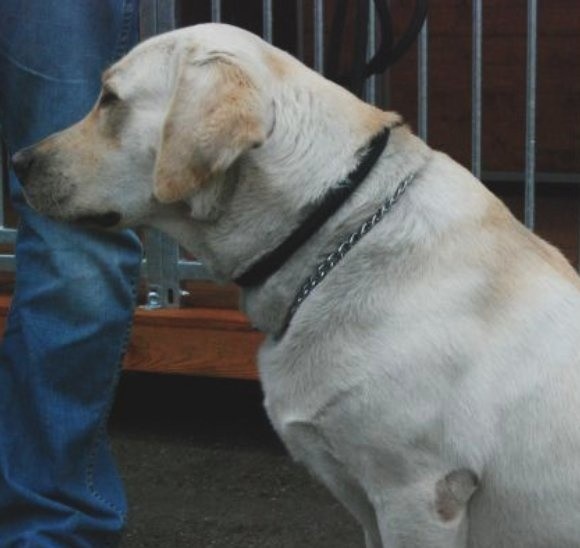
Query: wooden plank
x=207, y=342
x=191, y=341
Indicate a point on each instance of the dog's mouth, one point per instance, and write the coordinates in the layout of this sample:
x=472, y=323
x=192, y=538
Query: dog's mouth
x=99, y=220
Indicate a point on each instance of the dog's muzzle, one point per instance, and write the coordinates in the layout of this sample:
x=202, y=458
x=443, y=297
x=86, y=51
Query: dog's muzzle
x=28, y=163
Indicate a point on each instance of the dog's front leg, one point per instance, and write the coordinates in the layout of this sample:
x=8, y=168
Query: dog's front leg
x=307, y=445
x=431, y=512
x=333, y=474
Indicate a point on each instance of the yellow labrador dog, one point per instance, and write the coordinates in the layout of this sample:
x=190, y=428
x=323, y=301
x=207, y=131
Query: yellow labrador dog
x=423, y=357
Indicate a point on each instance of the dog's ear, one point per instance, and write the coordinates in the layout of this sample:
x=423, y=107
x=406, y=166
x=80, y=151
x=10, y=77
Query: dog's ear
x=215, y=115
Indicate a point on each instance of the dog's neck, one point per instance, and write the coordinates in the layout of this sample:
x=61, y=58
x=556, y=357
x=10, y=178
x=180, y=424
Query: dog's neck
x=267, y=305
x=274, y=185
x=335, y=198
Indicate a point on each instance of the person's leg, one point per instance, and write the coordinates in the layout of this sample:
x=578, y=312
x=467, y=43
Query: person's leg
x=74, y=294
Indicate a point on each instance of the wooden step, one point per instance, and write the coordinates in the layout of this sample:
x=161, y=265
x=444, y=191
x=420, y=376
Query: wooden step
x=193, y=341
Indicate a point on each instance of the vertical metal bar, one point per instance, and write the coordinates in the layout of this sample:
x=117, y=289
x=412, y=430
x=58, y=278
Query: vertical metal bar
x=476, y=88
x=384, y=83
x=165, y=15
x=423, y=84
x=147, y=18
x=162, y=261
x=156, y=16
x=530, y=185
x=216, y=11
x=267, y=16
x=370, y=92
x=319, y=36
x=300, y=29
x=162, y=253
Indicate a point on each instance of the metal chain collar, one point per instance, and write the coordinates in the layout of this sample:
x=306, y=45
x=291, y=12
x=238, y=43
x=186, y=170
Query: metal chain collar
x=326, y=265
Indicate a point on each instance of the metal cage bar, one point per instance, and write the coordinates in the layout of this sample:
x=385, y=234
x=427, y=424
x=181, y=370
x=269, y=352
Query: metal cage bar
x=267, y=21
x=300, y=29
x=216, y=10
x=370, y=91
x=531, y=69
x=161, y=265
x=423, y=82
x=156, y=16
x=319, y=35
x=476, y=91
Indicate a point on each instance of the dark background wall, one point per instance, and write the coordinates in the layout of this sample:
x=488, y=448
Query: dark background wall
x=504, y=77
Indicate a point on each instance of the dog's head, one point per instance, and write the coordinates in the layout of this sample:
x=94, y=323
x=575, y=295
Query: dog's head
x=174, y=114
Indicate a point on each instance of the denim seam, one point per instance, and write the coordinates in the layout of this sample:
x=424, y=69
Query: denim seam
x=123, y=41
x=102, y=428
x=28, y=70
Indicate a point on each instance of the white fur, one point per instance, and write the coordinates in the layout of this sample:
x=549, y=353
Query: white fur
x=445, y=344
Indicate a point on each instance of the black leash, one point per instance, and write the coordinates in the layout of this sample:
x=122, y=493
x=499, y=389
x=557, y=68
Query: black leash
x=389, y=51
x=272, y=261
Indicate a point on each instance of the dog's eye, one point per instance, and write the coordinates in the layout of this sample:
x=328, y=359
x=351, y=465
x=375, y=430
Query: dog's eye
x=108, y=97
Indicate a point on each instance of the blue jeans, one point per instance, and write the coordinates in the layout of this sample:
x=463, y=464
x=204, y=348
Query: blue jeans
x=74, y=295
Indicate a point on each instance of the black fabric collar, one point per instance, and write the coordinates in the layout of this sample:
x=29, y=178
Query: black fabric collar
x=272, y=261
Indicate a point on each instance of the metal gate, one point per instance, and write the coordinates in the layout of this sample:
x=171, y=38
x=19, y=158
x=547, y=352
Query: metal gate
x=165, y=268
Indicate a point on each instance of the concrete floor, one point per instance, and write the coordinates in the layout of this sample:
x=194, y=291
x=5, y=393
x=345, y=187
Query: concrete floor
x=203, y=468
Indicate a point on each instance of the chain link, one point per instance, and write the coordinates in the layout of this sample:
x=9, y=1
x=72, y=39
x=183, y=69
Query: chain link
x=331, y=260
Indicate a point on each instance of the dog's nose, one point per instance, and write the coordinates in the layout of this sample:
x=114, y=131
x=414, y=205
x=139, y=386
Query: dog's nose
x=21, y=162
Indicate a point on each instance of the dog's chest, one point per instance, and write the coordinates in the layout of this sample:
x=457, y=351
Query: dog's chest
x=340, y=425
x=315, y=435
x=305, y=405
